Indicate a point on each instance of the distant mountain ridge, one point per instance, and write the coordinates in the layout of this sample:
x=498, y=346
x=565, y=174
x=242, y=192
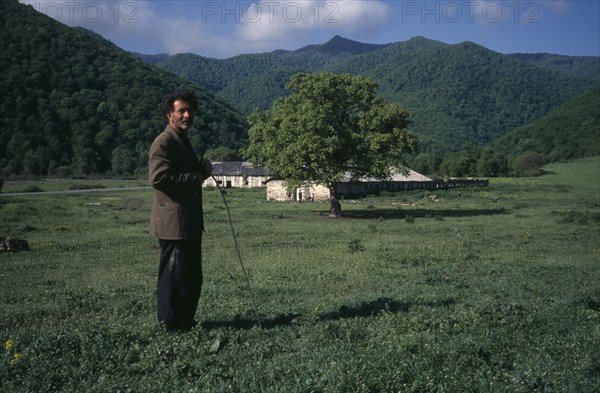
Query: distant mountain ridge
x=339, y=46
x=577, y=66
x=460, y=93
x=150, y=59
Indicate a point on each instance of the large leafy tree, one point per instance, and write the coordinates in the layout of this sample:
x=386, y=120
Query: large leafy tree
x=331, y=126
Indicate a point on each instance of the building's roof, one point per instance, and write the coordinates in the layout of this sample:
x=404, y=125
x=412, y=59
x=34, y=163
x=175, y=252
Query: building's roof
x=244, y=168
x=237, y=168
x=409, y=175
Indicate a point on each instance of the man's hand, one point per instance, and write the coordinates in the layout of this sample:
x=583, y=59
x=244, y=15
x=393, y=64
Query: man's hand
x=207, y=168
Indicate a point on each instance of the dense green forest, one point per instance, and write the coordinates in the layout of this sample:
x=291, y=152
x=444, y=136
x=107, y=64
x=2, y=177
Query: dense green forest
x=75, y=104
x=459, y=94
x=463, y=93
x=579, y=66
x=570, y=131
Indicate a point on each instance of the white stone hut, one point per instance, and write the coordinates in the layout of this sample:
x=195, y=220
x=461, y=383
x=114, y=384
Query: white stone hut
x=238, y=174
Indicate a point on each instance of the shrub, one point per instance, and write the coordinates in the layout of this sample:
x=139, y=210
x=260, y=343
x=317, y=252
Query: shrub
x=576, y=217
x=355, y=245
x=528, y=164
x=32, y=189
x=75, y=187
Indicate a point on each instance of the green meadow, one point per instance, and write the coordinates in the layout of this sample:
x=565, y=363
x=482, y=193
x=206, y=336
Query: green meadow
x=493, y=289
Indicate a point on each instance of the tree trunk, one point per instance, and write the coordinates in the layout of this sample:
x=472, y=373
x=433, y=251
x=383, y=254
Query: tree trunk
x=335, y=209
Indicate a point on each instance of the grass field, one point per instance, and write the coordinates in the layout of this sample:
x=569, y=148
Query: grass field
x=49, y=185
x=493, y=289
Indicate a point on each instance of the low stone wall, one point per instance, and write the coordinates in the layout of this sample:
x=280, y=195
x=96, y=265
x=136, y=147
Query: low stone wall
x=277, y=189
x=360, y=188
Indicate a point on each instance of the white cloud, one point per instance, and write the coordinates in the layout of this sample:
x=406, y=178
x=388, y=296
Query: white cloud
x=277, y=24
x=363, y=17
x=218, y=28
x=560, y=7
x=137, y=23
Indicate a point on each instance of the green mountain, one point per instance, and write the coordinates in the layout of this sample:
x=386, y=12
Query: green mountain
x=255, y=80
x=338, y=46
x=463, y=93
x=570, y=131
x=74, y=103
x=459, y=94
x=578, y=66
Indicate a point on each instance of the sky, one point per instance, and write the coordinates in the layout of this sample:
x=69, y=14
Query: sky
x=222, y=29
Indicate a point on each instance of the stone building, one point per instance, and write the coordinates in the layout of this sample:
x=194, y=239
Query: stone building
x=277, y=189
x=238, y=174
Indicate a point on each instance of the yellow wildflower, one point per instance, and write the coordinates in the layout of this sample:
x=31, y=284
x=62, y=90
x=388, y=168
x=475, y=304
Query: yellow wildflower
x=15, y=359
x=9, y=345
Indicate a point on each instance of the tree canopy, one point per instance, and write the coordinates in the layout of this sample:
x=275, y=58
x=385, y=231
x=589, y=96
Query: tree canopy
x=331, y=126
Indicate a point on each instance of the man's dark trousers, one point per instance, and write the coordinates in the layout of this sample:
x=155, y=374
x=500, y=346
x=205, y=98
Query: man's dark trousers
x=179, y=282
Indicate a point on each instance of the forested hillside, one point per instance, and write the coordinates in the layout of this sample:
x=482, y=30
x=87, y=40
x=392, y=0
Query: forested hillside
x=255, y=80
x=463, y=93
x=567, y=132
x=75, y=104
x=570, y=131
x=578, y=66
x=459, y=94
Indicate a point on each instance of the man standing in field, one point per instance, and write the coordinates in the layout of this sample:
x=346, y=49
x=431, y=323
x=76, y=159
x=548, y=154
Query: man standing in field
x=176, y=174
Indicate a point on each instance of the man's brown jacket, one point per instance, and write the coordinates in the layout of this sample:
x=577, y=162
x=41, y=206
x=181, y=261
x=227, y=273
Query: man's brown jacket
x=175, y=174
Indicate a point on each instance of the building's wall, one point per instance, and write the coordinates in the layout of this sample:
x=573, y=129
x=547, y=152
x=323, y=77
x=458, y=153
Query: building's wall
x=277, y=191
x=236, y=181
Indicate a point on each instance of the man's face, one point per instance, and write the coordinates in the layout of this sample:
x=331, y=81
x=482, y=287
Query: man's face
x=182, y=117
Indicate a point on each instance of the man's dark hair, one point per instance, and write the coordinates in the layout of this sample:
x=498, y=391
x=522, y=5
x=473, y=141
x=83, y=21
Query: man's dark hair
x=167, y=103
